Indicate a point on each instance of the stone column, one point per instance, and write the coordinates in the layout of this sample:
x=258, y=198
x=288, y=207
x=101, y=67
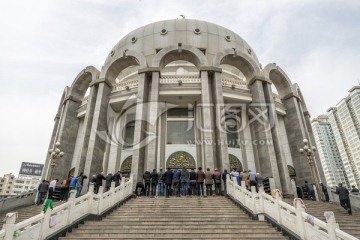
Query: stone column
x=207, y=125
x=153, y=115
x=279, y=152
x=260, y=119
x=67, y=136
x=220, y=128
x=80, y=163
x=138, y=162
x=296, y=132
x=99, y=127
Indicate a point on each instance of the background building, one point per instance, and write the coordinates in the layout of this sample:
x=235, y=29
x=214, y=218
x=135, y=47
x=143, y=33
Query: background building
x=183, y=92
x=344, y=120
x=328, y=152
x=10, y=185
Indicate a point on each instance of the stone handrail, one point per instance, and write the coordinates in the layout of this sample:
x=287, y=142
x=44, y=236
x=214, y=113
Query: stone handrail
x=293, y=219
x=65, y=214
x=354, y=198
x=25, y=199
x=234, y=83
x=179, y=79
x=126, y=85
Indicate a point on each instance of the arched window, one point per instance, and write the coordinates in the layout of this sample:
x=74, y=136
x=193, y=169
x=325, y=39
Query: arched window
x=129, y=131
x=231, y=121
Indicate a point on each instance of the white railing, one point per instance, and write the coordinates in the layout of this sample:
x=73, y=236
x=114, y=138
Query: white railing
x=176, y=79
x=292, y=218
x=126, y=85
x=234, y=83
x=38, y=227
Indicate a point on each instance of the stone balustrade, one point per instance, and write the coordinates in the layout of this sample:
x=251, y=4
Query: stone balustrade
x=24, y=199
x=179, y=79
x=66, y=214
x=126, y=85
x=293, y=220
x=234, y=83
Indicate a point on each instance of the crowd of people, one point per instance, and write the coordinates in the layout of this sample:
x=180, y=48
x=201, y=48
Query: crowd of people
x=185, y=183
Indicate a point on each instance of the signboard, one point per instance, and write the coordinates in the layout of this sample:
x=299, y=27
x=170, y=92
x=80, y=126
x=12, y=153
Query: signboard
x=31, y=169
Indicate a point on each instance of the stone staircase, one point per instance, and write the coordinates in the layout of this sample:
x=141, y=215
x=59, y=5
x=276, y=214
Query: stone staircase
x=347, y=223
x=24, y=212
x=176, y=218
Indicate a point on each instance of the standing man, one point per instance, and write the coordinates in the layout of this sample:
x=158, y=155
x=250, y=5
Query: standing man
x=217, y=181
x=354, y=190
x=109, y=178
x=99, y=180
x=208, y=182
x=52, y=187
x=184, y=178
x=160, y=186
x=224, y=176
x=80, y=183
x=193, y=182
x=117, y=178
x=147, y=180
x=42, y=191
x=154, y=179
x=200, y=177
x=344, y=198
x=325, y=191
x=168, y=176
x=176, y=180
x=236, y=175
x=252, y=180
x=73, y=183
x=244, y=178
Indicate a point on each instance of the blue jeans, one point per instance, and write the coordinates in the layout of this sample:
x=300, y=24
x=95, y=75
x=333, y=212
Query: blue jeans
x=78, y=191
x=176, y=188
x=160, y=190
x=41, y=197
x=198, y=186
x=225, y=188
x=184, y=188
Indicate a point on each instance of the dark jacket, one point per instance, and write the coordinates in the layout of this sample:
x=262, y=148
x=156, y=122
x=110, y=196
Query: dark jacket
x=109, y=178
x=99, y=179
x=193, y=176
x=43, y=187
x=224, y=175
x=176, y=176
x=81, y=180
x=200, y=176
x=184, y=175
x=154, y=177
x=147, y=177
x=117, y=178
x=343, y=193
x=217, y=177
x=168, y=176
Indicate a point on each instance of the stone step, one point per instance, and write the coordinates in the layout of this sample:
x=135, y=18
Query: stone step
x=220, y=225
x=215, y=237
x=180, y=236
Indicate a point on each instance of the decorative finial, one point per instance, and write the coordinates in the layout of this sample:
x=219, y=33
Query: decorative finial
x=182, y=16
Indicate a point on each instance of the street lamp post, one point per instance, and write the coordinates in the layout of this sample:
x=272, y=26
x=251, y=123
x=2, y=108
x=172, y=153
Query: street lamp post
x=55, y=154
x=310, y=152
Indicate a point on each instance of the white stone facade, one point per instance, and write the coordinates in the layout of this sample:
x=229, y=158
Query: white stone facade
x=182, y=93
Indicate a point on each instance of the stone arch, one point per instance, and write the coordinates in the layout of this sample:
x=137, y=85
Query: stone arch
x=241, y=61
x=279, y=78
x=235, y=163
x=292, y=172
x=181, y=159
x=82, y=82
x=301, y=97
x=122, y=60
x=171, y=53
x=126, y=165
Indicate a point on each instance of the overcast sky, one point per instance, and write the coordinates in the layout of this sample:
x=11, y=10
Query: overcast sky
x=45, y=44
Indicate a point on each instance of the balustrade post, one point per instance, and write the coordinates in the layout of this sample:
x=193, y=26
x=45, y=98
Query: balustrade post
x=72, y=207
x=293, y=187
x=261, y=212
x=254, y=196
x=112, y=190
x=10, y=225
x=91, y=198
x=100, y=194
x=299, y=219
x=317, y=197
x=234, y=187
x=331, y=225
x=277, y=206
x=45, y=224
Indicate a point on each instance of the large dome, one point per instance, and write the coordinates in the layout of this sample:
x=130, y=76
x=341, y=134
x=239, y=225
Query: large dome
x=208, y=37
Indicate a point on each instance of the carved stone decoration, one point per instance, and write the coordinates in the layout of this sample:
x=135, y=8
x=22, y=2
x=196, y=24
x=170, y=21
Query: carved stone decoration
x=292, y=172
x=126, y=165
x=235, y=163
x=181, y=159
